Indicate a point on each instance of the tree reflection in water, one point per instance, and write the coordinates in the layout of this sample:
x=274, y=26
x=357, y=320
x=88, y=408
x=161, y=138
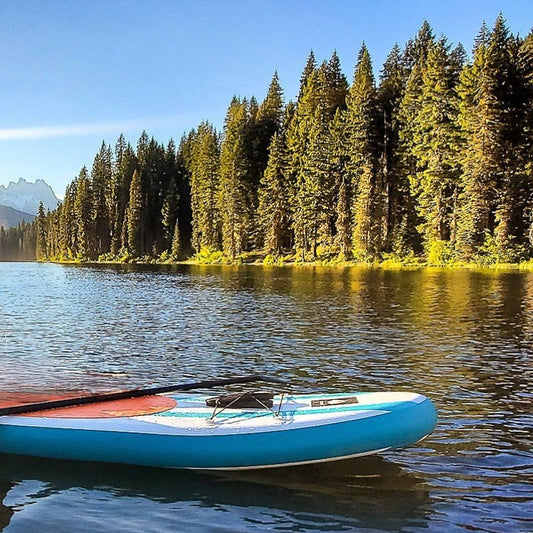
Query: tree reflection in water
x=5, y=512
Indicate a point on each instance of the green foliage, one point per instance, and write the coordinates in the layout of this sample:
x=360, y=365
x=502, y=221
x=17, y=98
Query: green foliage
x=494, y=251
x=259, y=132
x=494, y=99
x=133, y=215
x=176, y=247
x=273, y=213
x=396, y=197
x=434, y=162
x=234, y=192
x=439, y=253
x=18, y=243
x=204, y=168
x=101, y=175
x=169, y=213
x=210, y=256
x=392, y=260
x=42, y=235
x=165, y=257
x=126, y=257
x=82, y=217
x=362, y=165
x=436, y=145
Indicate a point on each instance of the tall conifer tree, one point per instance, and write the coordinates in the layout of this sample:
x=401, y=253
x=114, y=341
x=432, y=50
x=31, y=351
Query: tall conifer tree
x=101, y=177
x=342, y=189
x=361, y=121
x=204, y=167
x=525, y=65
x=436, y=147
x=274, y=211
x=83, y=218
x=134, y=215
x=490, y=120
x=169, y=214
x=42, y=234
x=414, y=61
x=234, y=193
x=397, y=202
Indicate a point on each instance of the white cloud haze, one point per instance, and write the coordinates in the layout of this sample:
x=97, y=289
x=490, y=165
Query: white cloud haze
x=77, y=130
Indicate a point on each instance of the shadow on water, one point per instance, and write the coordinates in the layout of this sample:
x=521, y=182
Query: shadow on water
x=5, y=512
x=368, y=493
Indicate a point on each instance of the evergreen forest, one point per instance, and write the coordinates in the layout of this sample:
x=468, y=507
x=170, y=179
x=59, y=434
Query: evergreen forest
x=432, y=162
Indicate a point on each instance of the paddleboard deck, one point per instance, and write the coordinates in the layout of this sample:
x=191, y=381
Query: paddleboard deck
x=182, y=431
x=127, y=407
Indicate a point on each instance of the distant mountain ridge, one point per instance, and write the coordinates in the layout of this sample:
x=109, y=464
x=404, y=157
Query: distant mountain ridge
x=25, y=196
x=10, y=217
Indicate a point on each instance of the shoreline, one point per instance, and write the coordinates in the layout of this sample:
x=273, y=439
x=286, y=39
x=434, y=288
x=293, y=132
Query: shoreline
x=383, y=265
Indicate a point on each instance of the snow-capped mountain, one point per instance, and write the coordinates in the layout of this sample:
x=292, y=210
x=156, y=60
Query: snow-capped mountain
x=25, y=196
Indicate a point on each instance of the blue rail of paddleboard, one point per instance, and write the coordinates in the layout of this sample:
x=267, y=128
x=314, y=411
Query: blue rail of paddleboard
x=395, y=429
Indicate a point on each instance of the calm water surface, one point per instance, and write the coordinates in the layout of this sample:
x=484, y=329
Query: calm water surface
x=463, y=338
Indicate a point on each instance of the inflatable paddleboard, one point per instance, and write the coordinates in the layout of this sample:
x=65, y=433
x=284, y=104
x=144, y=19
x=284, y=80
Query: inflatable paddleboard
x=246, y=431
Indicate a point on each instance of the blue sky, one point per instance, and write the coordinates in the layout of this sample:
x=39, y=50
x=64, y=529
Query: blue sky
x=76, y=72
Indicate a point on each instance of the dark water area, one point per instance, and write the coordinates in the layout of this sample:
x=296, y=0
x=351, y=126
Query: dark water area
x=463, y=338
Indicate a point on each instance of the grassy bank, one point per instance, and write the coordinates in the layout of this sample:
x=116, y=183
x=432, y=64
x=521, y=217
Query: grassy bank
x=387, y=261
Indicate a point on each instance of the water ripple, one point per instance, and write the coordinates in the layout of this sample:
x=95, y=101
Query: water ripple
x=464, y=338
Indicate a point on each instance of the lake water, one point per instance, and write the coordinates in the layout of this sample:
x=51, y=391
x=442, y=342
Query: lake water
x=464, y=338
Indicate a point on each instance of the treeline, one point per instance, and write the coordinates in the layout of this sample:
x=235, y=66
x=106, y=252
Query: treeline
x=434, y=160
x=18, y=243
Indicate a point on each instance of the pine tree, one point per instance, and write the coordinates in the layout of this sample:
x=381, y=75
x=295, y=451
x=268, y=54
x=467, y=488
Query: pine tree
x=342, y=193
x=234, y=204
x=67, y=223
x=169, y=213
x=124, y=164
x=312, y=193
x=299, y=125
x=183, y=186
x=362, y=165
x=416, y=49
x=271, y=109
x=525, y=66
x=263, y=126
x=154, y=180
x=500, y=69
x=204, y=168
x=274, y=210
x=83, y=218
x=100, y=191
x=335, y=86
x=310, y=67
x=457, y=59
x=134, y=215
x=51, y=239
x=176, y=246
x=520, y=142
x=491, y=123
x=315, y=193
x=397, y=204
x=42, y=235
x=414, y=61
x=298, y=142
x=436, y=146
x=325, y=95
x=476, y=198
